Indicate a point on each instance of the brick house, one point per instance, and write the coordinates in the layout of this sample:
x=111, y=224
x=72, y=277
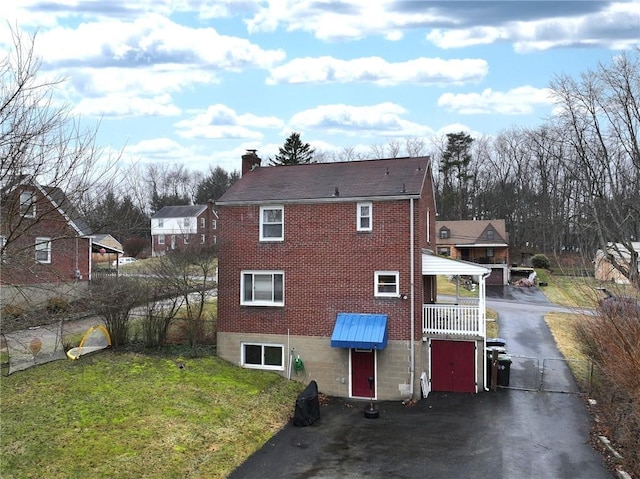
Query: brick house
x=330, y=266
x=178, y=227
x=480, y=241
x=46, y=245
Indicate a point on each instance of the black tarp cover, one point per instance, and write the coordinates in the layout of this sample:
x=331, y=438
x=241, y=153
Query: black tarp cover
x=307, y=406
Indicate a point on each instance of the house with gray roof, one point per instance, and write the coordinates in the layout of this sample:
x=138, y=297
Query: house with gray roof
x=328, y=271
x=176, y=228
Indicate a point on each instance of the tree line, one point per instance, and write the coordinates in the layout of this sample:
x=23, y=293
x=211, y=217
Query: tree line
x=570, y=184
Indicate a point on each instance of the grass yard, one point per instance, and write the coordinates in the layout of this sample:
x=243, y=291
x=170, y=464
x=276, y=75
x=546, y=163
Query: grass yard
x=116, y=414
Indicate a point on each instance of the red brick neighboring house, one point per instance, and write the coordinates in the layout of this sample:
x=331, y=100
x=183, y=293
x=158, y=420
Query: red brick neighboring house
x=46, y=245
x=480, y=241
x=326, y=272
x=175, y=228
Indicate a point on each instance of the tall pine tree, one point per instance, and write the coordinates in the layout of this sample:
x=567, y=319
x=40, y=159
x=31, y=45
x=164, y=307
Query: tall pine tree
x=294, y=152
x=455, y=176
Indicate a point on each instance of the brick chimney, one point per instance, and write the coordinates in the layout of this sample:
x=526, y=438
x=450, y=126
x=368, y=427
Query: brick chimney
x=250, y=161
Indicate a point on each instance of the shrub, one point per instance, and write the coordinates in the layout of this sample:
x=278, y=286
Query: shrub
x=612, y=339
x=540, y=261
x=13, y=311
x=58, y=304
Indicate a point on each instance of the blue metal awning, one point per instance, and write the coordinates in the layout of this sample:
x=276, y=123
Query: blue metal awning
x=361, y=331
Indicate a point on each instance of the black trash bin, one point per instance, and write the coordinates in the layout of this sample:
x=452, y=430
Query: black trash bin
x=307, y=406
x=490, y=349
x=496, y=342
x=504, y=369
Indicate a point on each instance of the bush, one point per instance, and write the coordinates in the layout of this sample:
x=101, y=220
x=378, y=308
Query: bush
x=540, y=261
x=58, y=304
x=612, y=339
x=13, y=311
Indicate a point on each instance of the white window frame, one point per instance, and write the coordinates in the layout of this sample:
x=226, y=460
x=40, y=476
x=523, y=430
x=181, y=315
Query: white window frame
x=262, y=365
x=261, y=302
x=377, y=284
x=186, y=222
x=214, y=224
x=160, y=239
x=203, y=239
x=27, y=204
x=361, y=217
x=203, y=222
x=186, y=238
x=263, y=210
x=43, y=244
x=160, y=222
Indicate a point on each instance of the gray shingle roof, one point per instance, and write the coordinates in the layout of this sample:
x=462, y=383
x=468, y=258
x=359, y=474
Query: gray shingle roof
x=181, y=211
x=395, y=177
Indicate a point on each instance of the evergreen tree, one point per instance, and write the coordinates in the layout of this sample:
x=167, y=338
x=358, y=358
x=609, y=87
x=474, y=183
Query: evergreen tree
x=294, y=152
x=213, y=186
x=455, y=175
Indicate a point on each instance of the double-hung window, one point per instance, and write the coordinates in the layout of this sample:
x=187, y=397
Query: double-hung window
x=272, y=223
x=262, y=288
x=365, y=217
x=386, y=284
x=263, y=356
x=160, y=239
x=43, y=250
x=27, y=204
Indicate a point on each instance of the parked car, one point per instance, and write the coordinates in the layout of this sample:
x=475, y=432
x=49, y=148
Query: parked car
x=123, y=260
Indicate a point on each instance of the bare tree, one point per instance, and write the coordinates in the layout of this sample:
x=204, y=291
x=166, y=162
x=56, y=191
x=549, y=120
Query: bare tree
x=41, y=144
x=189, y=274
x=601, y=112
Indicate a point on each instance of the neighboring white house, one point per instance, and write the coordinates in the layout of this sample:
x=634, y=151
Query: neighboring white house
x=604, y=270
x=179, y=227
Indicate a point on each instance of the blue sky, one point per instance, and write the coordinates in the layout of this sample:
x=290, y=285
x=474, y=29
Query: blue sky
x=198, y=82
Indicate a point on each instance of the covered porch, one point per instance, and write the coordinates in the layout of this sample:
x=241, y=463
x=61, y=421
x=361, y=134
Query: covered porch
x=453, y=315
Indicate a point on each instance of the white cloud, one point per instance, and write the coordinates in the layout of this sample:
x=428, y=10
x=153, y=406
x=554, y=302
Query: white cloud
x=122, y=105
x=384, y=119
x=517, y=101
x=220, y=121
x=149, y=40
x=613, y=28
x=379, y=71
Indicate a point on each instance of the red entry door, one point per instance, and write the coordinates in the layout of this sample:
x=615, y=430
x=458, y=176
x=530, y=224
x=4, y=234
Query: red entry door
x=362, y=368
x=453, y=366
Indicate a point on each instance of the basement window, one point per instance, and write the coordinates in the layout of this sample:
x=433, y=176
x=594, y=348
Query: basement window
x=263, y=356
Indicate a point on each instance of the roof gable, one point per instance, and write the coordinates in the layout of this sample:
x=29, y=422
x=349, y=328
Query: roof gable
x=57, y=198
x=385, y=178
x=180, y=211
x=473, y=232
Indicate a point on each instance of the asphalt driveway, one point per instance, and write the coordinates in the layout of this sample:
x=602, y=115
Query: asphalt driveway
x=507, y=434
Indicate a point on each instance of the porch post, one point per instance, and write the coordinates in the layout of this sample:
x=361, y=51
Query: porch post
x=482, y=305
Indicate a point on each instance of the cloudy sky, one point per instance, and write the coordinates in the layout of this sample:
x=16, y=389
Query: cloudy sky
x=199, y=81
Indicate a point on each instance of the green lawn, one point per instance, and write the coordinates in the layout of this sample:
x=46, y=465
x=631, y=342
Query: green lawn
x=131, y=415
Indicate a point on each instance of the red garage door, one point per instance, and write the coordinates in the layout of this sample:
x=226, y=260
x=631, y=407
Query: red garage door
x=453, y=366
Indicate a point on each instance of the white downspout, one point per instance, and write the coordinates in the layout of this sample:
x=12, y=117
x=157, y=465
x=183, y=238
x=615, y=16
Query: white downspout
x=412, y=348
x=482, y=304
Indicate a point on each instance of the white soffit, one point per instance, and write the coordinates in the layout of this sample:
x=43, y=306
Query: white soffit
x=434, y=265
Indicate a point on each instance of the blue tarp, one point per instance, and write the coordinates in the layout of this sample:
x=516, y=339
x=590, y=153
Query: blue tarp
x=360, y=331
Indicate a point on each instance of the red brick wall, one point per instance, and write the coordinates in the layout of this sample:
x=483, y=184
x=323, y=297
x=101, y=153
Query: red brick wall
x=68, y=252
x=328, y=266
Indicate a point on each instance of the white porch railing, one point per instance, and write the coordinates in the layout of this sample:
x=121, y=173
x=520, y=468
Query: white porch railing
x=453, y=319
